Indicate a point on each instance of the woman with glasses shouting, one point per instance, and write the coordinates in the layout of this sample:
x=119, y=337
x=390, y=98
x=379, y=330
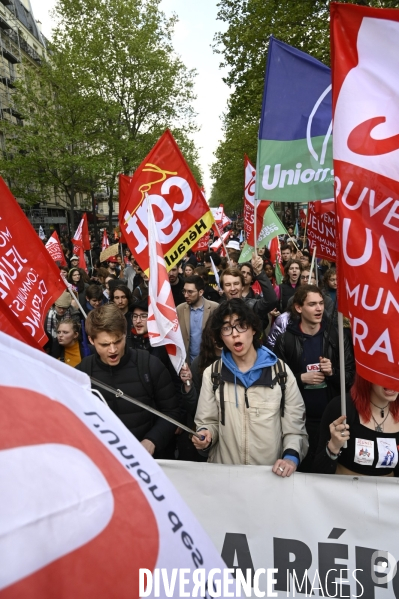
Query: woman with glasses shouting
x=250, y=410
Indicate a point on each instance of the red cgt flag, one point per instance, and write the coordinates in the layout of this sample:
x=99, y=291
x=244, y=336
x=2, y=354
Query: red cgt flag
x=365, y=51
x=249, y=203
x=181, y=213
x=30, y=281
x=81, y=237
x=53, y=246
x=202, y=245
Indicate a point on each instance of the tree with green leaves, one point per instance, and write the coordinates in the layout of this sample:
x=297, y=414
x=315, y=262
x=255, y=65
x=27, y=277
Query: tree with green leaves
x=125, y=50
x=111, y=86
x=303, y=24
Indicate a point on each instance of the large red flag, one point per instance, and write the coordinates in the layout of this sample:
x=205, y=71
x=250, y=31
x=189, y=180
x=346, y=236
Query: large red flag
x=81, y=237
x=249, y=203
x=54, y=248
x=181, y=213
x=365, y=66
x=30, y=281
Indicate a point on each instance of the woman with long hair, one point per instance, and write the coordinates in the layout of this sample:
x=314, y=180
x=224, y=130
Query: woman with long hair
x=79, y=287
x=188, y=270
x=370, y=428
x=291, y=280
x=67, y=347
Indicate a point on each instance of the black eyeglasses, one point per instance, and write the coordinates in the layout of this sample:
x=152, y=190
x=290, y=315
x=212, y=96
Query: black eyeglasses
x=227, y=329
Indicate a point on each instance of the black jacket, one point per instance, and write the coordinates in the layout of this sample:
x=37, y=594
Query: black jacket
x=263, y=305
x=125, y=376
x=289, y=348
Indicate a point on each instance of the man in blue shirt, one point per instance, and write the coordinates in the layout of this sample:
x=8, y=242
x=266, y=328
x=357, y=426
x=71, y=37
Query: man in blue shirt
x=194, y=314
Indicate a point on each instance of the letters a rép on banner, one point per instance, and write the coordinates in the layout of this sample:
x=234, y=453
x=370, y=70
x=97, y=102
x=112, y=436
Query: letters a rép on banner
x=181, y=213
x=29, y=279
x=366, y=158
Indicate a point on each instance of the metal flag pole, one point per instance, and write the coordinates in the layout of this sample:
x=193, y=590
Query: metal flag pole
x=342, y=365
x=136, y=402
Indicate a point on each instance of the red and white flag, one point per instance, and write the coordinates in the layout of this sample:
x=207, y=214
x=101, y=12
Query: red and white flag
x=365, y=67
x=30, y=281
x=163, y=324
x=249, y=204
x=105, y=242
x=54, y=248
x=83, y=505
x=181, y=212
x=218, y=214
x=216, y=245
x=10, y=325
x=81, y=237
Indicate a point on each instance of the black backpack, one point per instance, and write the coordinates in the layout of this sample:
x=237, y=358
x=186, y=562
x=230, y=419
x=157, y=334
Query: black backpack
x=280, y=378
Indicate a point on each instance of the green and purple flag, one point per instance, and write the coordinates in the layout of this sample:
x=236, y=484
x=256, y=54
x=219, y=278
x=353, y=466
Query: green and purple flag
x=294, y=162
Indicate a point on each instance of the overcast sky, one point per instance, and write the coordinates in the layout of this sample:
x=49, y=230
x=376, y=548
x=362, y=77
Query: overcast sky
x=193, y=38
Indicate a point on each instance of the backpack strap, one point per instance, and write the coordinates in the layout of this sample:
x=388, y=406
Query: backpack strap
x=143, y=365
x=216, y=382
x=281, y=379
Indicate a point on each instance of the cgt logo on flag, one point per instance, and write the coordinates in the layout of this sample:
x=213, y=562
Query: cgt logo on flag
x=182, y=215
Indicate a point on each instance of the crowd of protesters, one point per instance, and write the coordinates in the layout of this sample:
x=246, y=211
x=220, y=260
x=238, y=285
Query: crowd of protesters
x=261, y=382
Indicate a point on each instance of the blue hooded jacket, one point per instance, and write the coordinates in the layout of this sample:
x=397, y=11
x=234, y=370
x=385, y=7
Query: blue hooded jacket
x=265, y=358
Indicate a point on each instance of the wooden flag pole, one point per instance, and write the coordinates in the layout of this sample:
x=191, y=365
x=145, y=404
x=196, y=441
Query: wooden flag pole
x=306, y=226
x=342, y=365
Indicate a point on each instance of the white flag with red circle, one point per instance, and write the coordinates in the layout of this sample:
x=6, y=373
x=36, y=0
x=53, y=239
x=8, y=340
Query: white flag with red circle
x=83, y=505
x=163, y=324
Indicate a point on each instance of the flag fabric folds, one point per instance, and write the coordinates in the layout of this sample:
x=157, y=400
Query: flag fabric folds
x=275, y=257
x=30, y=281
x=294, y=161
x=271, y=227
x=249, y=204
x=365, y=65
x=53, y=246
x=81, y=237
x=181, y=213
x=163, y=324
x=75, y=481
x=105, y=241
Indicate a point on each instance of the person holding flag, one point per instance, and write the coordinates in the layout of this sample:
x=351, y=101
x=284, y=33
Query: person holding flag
x=136, y=373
